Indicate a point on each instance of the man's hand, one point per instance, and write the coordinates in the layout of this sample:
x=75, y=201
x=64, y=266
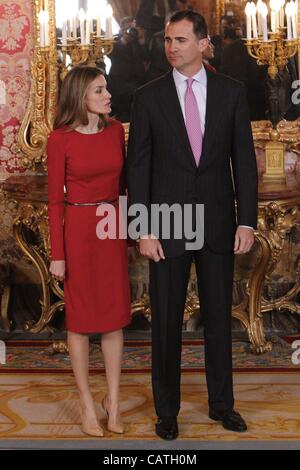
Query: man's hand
x=58, y=269
x=150, y=247
x=244, y=239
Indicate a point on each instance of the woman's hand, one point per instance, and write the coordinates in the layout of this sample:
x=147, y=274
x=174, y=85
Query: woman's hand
x=58, y=269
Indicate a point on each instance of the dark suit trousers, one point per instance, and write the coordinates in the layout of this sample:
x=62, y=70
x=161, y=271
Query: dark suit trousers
x=168, y=286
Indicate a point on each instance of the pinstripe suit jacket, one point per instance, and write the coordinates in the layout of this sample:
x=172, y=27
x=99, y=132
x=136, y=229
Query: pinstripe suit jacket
x=161, y=167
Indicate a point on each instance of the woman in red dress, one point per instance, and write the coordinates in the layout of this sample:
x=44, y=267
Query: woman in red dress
x=86, y=155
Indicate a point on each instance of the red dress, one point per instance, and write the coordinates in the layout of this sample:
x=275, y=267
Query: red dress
x=96, y=286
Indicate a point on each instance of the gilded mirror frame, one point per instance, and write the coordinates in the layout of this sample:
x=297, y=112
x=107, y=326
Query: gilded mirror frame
x=39, y=116
x=37, y=122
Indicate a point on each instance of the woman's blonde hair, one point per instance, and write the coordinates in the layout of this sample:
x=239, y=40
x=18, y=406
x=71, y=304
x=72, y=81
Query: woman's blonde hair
x=71, y=109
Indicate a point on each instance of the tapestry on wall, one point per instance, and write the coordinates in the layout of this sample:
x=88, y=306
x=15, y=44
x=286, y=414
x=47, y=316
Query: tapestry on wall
x=15, y=54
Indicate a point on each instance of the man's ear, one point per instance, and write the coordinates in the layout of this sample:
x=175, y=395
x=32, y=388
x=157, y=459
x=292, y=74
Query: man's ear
x=203, y=44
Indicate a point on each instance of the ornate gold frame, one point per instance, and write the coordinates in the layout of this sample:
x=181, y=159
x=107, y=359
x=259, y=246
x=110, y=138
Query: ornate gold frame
x=38, y=119
x=219, y=12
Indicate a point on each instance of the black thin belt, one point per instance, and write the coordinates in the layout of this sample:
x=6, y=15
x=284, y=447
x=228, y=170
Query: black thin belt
x=91, y=203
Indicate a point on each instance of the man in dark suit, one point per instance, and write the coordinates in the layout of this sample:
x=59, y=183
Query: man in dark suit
x=191, y=143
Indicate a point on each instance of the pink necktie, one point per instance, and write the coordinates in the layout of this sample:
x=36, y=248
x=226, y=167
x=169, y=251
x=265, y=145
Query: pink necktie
x=193, y=121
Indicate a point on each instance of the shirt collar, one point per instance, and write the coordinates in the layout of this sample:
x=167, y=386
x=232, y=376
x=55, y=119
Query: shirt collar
x=199, y=77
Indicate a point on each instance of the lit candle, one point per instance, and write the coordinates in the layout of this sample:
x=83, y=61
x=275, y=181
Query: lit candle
x=93, y=6
x=293, y=18
x=275, y=9
x=264, y=21
x=259, y=18
x=288, y=21
x=254, y=23
x=248, y=10
x=89, y=16
x=281, y=14
x=69, y=27
x=64, y=33
x=74, y=27
x=273, y=21
x=98, y=26
x=92, y=24
x=47, y=38
x=109, y=15
x=277, y=18
x=88, y=28
x=81, y=22
x=42, y=28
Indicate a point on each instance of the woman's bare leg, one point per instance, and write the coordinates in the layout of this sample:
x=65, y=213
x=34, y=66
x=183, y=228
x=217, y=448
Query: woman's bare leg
x=112, y=349
x=79, y=353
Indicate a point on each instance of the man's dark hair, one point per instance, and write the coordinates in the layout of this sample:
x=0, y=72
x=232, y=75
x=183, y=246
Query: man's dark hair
x=199, y=23
x=226, y=17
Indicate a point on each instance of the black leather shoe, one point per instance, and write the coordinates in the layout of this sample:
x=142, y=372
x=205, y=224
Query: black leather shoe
x=167, y=428
x=231, y=420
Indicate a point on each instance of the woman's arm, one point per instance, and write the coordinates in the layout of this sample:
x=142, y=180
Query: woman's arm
x=56, y=180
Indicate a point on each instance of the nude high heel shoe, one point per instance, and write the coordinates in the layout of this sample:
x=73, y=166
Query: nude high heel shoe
x=95, y=431
x=118, y=427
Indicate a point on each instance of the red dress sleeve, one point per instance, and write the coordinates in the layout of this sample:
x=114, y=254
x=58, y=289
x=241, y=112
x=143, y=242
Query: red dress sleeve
x=56, y=158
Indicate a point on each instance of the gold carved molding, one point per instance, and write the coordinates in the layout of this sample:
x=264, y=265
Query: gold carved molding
x=289, y=133
x=38, y=119
x=275, y=221
x=219, y=12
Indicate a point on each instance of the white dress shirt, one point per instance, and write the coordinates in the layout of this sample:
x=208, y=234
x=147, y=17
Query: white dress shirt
x=200, y=91
x=199, y=88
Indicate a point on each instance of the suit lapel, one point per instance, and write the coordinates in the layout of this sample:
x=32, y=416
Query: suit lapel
x=212, y=116
x=170, y=103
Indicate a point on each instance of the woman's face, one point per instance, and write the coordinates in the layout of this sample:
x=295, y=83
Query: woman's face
x=98, y=99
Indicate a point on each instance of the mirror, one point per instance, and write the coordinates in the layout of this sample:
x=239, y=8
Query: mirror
x=128, y=43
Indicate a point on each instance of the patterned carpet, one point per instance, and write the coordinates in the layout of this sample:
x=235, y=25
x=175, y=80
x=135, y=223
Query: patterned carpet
x=38, y=356
x=38, y=397
x=43, y=407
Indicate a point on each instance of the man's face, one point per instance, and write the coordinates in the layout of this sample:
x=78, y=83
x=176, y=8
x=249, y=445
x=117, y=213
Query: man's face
x=182, y=46
x=224, y=26
x=239, y=31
